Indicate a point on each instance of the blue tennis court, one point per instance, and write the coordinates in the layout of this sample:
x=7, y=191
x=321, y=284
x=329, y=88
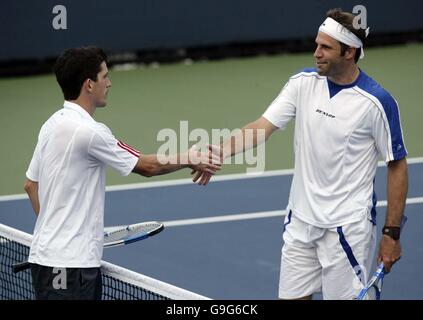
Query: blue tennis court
x=224, y=240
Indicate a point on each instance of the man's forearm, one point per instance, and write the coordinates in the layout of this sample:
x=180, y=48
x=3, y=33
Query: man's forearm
x=250, y=136
x=397, y=191
x=238, y=143
x=152, y=165
x=174, y=163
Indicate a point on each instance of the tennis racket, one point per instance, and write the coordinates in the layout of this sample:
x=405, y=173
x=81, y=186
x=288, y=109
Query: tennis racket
x=373, y=288
x=120, y=235
x=116, y=236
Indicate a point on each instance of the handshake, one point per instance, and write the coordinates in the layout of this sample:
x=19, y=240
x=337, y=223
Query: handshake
x=204, y=164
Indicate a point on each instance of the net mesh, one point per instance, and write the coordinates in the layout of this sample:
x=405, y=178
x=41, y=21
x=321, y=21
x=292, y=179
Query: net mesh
x=118, y=283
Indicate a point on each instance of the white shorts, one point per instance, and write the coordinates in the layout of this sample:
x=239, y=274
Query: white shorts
x=334, y=261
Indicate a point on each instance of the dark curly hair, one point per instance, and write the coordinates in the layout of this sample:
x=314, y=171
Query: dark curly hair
x=76, y=65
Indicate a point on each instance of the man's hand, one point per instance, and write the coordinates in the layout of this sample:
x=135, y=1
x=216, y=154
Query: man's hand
x=389, y=252
x=204, y=163
x=237, y=143
x=203, y=178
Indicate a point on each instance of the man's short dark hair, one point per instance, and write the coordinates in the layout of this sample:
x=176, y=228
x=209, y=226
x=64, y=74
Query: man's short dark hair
x=76, y=65
x=346, y=19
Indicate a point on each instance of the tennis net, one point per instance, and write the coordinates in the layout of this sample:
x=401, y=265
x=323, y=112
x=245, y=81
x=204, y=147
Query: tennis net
x=118, y=283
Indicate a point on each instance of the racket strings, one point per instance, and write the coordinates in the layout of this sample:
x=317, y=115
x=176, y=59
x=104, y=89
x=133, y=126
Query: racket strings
x=116, y=235
x=130, y=231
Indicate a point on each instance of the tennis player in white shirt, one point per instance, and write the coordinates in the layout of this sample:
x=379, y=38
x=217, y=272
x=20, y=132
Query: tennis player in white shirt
x=344, y=122
x=67, y=176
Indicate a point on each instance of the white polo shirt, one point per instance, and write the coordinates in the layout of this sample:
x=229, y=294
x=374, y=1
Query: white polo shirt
x=340, y=131
x=69, y=164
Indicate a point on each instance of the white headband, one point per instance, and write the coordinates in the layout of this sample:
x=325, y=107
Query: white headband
x=342, y=34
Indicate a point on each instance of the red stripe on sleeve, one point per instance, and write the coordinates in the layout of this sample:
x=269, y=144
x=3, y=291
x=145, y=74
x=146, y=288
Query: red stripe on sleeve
x=129, y=149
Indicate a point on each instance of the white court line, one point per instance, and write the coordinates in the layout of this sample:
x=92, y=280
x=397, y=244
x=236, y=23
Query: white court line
x=415, y=160
x=254, y=215
x=227, y=177
x=177, y=182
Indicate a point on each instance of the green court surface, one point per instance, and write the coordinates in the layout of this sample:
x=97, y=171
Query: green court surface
x=209, y=94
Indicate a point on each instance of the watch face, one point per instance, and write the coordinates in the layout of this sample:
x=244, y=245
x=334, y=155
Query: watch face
x=393, y=232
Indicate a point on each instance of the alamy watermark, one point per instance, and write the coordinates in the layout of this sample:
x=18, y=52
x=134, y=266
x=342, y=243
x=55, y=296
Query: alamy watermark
x=175, y=142
x=360, y=20
x=60, y=281
x=60, y=20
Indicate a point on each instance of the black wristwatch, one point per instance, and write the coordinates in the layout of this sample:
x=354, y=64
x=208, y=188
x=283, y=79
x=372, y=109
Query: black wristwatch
x=393, y=232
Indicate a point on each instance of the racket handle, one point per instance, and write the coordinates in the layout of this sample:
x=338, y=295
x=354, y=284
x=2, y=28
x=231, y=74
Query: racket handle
x=21, y=266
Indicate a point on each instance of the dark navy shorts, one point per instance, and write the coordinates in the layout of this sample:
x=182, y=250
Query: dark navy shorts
x=66, y=283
